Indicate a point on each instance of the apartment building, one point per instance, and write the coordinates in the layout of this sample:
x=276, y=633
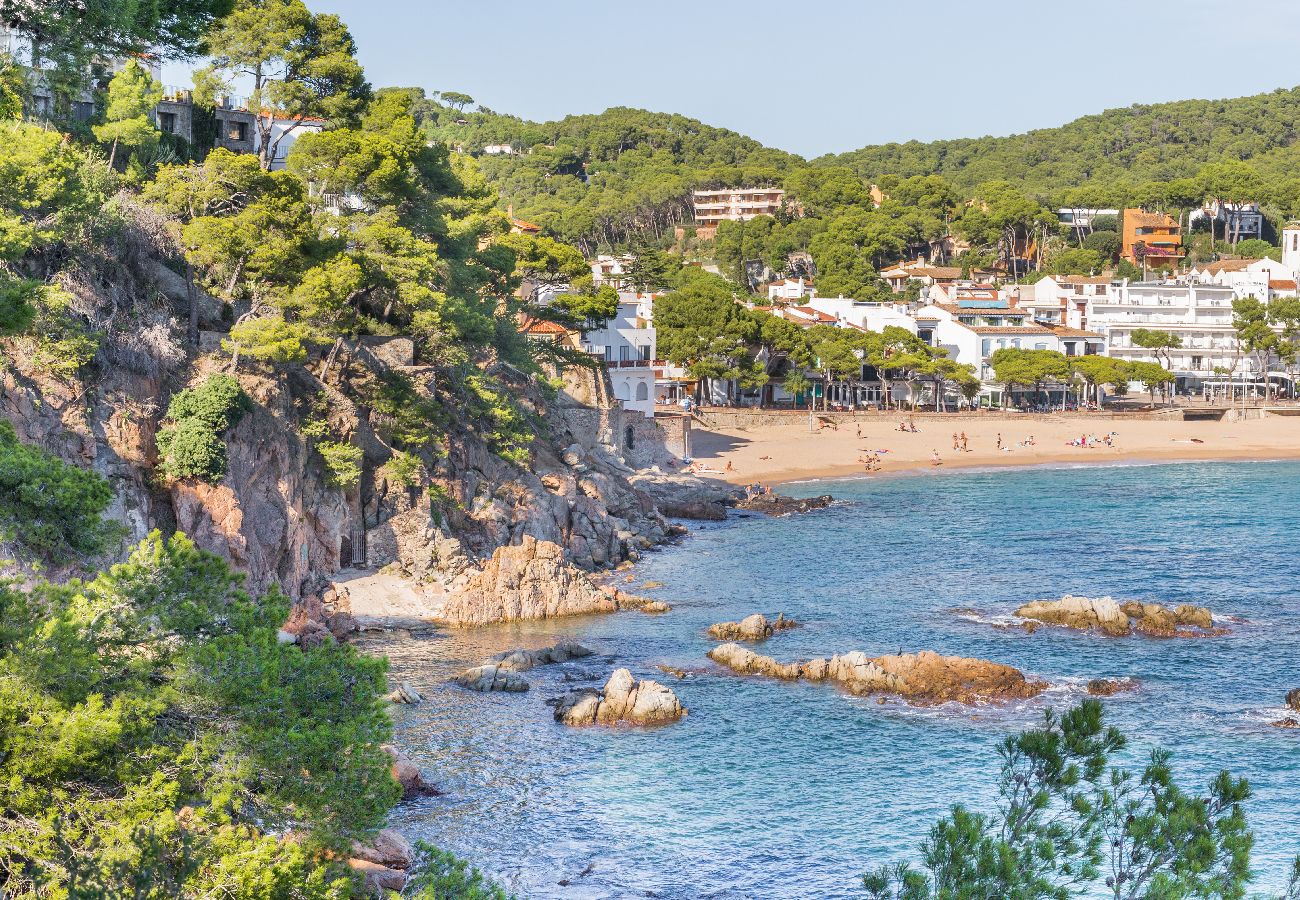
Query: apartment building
x=1153, y=236
x=626, y=344
x=736, y=204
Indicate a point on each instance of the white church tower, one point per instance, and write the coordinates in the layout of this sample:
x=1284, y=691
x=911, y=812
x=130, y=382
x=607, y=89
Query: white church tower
x=1291, y=247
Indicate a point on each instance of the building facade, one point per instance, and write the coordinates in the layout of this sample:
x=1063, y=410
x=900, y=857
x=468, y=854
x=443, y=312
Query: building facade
x=736, y=204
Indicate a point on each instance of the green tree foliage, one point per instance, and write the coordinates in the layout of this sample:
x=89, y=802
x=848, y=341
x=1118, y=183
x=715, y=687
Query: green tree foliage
x=342, y=463
x=1256, y=248
x=1154, y=375
x=83, y=30
x=1068, y=823
x=441, y=876
x=1029, y=368
x=48, y=508
x=1160, y=342
x=1102, y=370
x=700, y=326
x=1106, y=244
x=155, y=737
x=270, y=338
x=301, y=65
x=190, y=446
x=132, y=96
x=1252, y=321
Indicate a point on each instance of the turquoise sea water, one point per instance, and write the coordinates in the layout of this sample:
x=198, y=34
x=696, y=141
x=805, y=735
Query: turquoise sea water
x=773, y=790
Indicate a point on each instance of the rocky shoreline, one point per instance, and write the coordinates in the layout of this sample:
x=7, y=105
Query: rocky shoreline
x=1107, y=616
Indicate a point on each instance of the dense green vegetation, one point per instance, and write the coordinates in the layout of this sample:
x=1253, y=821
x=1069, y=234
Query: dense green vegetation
x=190, y=446
x=622, y=180
x=1069, y=822
x=155, y=737
x=49, y=509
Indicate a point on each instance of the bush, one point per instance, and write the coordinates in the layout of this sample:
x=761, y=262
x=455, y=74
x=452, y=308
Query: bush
x=48, y=507
x=342, y=463
x=404, y=469
x=1254, y=248
x=191, y=446
x=1106, y=243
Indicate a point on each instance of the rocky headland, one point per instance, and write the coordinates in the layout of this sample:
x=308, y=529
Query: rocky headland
x=622, y=701
x=922, y=679
x=1110, y=617
x=754, y=627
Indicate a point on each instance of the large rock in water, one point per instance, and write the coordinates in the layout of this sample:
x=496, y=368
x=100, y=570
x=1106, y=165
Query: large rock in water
x=528, y=580
x=492, y=678
x=623, y=700
x=1106, y=615
x=523, y=660
x=1084, y=613
x=751, y=628
x=922, y=679
x=1293, y=699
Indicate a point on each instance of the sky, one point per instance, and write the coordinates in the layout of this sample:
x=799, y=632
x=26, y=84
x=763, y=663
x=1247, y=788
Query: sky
x=826, y=76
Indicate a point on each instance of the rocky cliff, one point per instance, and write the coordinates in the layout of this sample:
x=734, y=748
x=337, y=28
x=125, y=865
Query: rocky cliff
x=274, y=514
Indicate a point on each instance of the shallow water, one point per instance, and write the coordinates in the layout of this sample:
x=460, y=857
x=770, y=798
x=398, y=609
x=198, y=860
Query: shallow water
x=773, y=790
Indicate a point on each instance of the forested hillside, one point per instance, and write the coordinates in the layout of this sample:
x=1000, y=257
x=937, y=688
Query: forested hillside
x=1119, y=147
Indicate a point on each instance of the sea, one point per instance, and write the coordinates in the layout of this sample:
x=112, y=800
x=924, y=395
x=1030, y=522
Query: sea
x=792, y=790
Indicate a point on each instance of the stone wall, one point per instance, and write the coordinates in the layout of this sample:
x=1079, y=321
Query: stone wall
x=756, y=418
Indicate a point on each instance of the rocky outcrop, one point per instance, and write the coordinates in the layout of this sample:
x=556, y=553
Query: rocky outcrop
x=1109, y=687
x=529, y=580
x=755, y=627
x=688, y=496
x=622, y=701
x=383, y=861
x=921, y=679
x=1085, y=613
x=1106, y=615
x=778, y=505
x=1293, y=699
x=492, y=678
x=378, y=879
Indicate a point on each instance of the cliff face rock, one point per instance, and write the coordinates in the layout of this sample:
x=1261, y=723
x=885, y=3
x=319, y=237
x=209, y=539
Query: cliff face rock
x=921, y=679
x=755, y=627
x=1109, y=617
x=622, y=701
x=688, y=497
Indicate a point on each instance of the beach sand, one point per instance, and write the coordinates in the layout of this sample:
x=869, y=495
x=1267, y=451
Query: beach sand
x=772, y=454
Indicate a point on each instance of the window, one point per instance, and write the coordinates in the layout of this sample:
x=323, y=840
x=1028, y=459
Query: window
x=167, y=122
x=1196, y=362
x=986, y=347
x=624, y=353
x=642, y=392
x=645, y=353
x=237, y=131
x=1043, y=346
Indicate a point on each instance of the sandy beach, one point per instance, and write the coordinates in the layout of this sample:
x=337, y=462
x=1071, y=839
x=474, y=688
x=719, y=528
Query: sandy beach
x=772, y=454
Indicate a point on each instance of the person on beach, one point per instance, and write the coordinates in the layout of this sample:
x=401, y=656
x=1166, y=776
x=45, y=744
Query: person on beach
x=999, y=440
x=934, y=458
x=956, y=441
x=912, y=427
x=963, y=443
x=859, y=430
x=729, y=466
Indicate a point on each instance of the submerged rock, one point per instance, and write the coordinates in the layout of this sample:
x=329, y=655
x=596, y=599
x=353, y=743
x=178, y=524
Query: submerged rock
x=523, y=660
x=1106, y=615
x=923, y=678
x=751, y=628
x=623, y=700
x=777, y=505
x=492, y=678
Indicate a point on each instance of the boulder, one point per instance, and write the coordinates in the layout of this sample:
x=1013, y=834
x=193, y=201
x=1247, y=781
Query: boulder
x=491, y=678
x=406, y=773
x=1288, y=722
x=389, y=848
x=379, y=879
x=622, y=701
x=777, y=505
x=755, y=627
x=1293, y=699
x=404, y=693
x=1108, y=687
x=655, y=606
x=922, y=679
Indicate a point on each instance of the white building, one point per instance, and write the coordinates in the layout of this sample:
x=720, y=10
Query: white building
x=1242, y=220
x=867, y=316
x=973, y=330
x=787, y=289
x=1246, y=277
x=1200, y=314
x=626, y=344
x=1081, y=219
x=1064, y=299
x=611, y=270
x=736, y=204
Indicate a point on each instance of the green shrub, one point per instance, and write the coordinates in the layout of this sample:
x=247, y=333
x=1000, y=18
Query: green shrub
x=506, y=428
x=342, y=463
x=444, y=876
x=191, y=449
x=404, y=469
x=191, y=446
x=51, y=508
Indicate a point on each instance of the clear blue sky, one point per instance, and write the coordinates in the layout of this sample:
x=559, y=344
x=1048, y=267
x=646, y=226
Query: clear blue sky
x=820, y=76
